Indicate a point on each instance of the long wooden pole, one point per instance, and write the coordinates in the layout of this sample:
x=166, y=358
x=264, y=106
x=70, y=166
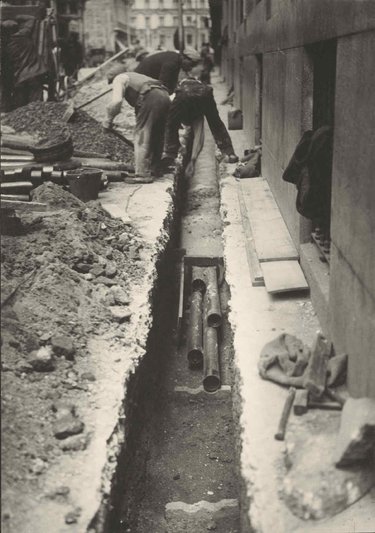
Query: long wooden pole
x=92, y=74
x=181, y=31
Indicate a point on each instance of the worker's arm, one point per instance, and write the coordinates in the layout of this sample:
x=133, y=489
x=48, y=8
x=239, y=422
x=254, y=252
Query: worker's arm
x=113, y=109
x=26, y=24
x=218, y=129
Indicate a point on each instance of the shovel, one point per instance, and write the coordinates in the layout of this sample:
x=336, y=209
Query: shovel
x=71, y=109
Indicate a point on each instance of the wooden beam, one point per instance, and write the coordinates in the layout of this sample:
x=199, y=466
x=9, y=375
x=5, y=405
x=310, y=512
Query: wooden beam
x=22, y=206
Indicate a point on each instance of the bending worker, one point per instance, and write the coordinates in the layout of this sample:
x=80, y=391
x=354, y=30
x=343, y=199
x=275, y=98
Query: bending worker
x=193, y=102
x=165, y=66
x=151, y=102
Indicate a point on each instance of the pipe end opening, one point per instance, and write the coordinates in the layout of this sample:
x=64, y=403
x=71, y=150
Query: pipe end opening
x=195, y=358
x=198, y=285
x=214, y=320
x=211, y=383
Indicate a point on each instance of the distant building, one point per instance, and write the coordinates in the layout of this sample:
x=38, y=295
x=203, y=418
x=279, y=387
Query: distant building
x=105, y=22
x=155, y=21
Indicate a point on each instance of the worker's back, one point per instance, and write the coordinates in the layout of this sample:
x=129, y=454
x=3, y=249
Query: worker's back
x=163, y=66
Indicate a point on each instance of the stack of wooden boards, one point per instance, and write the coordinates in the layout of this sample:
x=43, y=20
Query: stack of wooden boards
x=271, y=253
x=25, y=166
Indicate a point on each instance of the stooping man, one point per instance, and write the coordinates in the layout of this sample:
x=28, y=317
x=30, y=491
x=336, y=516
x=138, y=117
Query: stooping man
x=166, y=66
x=193, y=102
x=151, y=102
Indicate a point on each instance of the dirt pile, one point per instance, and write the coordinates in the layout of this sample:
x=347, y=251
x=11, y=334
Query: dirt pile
x=44, y=119
x=77, y=265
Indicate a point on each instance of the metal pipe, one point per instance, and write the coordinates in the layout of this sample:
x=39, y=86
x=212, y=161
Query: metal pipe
x=213, y=299
x=211, y=372
x=198, y=279
x=195, y=341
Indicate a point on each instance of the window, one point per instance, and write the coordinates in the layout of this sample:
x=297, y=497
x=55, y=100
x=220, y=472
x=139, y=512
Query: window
x=188, y=20
x=133, y=21
x=147, y=22
x=161, y=21
x=189, y=38
x=162, y=39
x=161, y=3
x=175, y=21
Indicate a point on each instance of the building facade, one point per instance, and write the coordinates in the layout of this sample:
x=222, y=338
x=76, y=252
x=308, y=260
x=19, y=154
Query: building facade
x=155, y=22
x=295, y=65
x=106, y=22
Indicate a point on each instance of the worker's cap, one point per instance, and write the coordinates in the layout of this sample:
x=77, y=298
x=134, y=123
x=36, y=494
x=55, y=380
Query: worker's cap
x=191, y=54
x=141, y=54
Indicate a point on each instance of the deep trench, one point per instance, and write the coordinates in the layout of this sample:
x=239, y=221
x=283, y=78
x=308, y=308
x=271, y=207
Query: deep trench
x=178, y=446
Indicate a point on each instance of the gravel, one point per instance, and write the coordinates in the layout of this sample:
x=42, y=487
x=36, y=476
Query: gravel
x=44, y=119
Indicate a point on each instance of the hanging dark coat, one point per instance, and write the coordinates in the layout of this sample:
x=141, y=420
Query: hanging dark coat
x=310, y=170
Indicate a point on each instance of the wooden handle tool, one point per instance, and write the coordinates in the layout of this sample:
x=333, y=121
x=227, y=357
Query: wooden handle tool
x=280, y=434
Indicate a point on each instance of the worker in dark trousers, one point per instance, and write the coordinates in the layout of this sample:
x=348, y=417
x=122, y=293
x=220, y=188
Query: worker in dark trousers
x=151, y=102
x=193, y=102
x=165, y=66
x=28, y=68
x=72, y=55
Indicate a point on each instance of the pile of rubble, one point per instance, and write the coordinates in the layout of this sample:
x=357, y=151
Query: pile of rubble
x=38, y=146
x=65, y=279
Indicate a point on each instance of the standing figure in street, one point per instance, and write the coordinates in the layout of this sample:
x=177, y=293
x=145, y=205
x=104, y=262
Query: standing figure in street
x=207, y=55
x=72, y=55
x=165, y=66
x=193, y=102
x=151, y=102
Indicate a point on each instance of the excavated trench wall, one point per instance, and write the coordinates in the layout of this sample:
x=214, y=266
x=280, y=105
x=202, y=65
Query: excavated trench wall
x=119, y=511
x=131, y=435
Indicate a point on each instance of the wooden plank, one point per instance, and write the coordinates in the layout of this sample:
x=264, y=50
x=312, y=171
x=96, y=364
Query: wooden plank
x=181, y=302
x=22, y=206
x=271, y=236
x=16, y=197
x=283, y=276
x=256, y=274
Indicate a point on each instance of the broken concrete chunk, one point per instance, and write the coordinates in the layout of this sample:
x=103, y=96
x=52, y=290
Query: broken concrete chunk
x=37, y=466
x=120, y=314
x=62, y=408
x=89, y=376
x=42, y=360
x=74, y=443
x=66, y=426
x=63, y=345
x=110, y=270
x=97, y=270
x=106, y=281
x=120, y=296
x=84, y=268
x=313, y=487
x=72, y=516
x=23, y=367
x=356, y=439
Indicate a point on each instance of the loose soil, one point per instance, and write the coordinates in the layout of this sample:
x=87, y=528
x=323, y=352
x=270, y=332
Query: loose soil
x=44, y=119
x=78, y=263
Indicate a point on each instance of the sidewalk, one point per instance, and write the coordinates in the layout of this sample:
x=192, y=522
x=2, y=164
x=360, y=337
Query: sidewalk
x=256, y=318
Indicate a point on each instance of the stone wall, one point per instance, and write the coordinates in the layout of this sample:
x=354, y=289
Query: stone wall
x=278, y=34
x=352, y=290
